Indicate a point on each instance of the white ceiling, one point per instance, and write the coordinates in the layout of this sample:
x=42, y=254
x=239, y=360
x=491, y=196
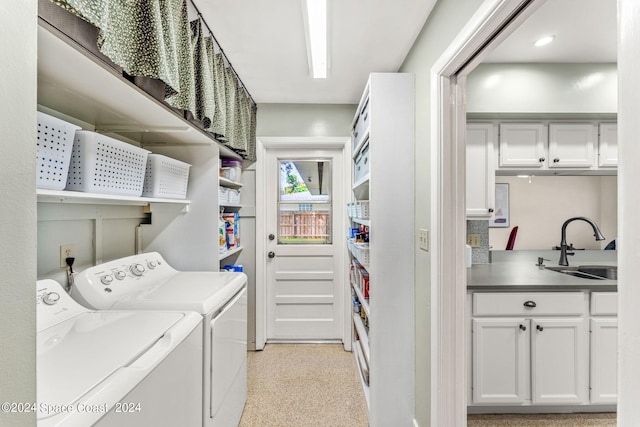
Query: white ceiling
x=265, y=42
x=584, y=30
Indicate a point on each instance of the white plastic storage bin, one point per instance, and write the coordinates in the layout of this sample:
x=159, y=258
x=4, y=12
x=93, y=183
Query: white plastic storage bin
x=362, y=163
x=100, y=164
x=231, y=169
x=362, y=253
x=165, y=178
x=234, y=196
x=55, y=143
x=362, y=209
x=223, y=195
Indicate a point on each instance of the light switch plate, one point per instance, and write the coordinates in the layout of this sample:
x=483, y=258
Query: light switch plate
x=423, y=238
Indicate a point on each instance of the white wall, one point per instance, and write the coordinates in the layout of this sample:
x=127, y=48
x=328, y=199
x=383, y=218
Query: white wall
x=18, y=209
x=543, y=88
x=540, y=207
x=446, y=20
x=305, y=119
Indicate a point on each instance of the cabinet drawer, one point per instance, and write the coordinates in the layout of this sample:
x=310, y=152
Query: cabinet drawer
x=604, y=303
x=537, y=303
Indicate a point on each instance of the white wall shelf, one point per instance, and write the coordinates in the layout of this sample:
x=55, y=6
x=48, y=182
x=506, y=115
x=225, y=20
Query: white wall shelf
x=105, y=99
x=228, y=183
x=62, y=196
x=231, y=252
x=361, y=189
x=361, y=221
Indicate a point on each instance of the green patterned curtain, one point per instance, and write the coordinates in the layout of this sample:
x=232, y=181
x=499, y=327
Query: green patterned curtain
x=154, y=38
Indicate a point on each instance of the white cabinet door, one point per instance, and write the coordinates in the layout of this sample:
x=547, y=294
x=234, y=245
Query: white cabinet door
x=481, y=175
x=572, y=145
x=501, y=360
x=522, y=145
x=559, y=354
x=604, y=360
x=608, y=145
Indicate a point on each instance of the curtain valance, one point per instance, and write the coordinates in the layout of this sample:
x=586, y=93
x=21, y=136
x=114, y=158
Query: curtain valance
x=154, y=38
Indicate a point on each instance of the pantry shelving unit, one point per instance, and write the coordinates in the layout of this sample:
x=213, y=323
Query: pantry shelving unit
x=383, y=136
x=77, y=85
x=227, y=206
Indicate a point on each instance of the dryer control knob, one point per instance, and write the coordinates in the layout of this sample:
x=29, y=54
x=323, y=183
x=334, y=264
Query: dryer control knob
x=137, y=269
x=51, y=298
x=152, y=265
x=106, y=280
x=120, y=275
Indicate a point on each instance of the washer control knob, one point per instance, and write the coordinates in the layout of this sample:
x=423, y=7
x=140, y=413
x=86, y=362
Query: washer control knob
x=137, y=269
x=51, y=298
x=106, y=279
x=152, y=265
x=120, y=275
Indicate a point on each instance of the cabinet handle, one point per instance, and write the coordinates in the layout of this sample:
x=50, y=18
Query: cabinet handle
x=490, y=210
x=523, y=328
x=530, y=304
x=541, y=159
x=556, y=160
x=540, y=328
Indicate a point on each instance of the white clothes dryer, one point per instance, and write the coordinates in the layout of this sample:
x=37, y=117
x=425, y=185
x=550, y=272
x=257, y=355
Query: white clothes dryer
x=147, y=282
x=115, y=368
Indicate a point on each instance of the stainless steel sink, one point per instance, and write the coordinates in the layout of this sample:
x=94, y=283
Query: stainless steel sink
x=594, y=272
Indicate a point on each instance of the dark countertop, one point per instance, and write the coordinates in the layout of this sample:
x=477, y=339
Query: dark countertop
x=526, y=276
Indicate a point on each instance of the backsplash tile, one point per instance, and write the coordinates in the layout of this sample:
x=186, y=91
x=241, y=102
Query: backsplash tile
x=480, y=255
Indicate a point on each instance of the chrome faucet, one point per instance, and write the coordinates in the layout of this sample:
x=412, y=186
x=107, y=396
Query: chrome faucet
x=563, y=243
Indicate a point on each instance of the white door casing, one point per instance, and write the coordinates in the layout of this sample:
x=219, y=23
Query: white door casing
x=301, y=293
x=489, y=26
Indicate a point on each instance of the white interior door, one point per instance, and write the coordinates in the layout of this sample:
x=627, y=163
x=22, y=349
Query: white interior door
x=303, y=244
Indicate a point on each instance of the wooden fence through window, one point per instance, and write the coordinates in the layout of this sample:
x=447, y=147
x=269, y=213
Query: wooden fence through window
x=304, y=225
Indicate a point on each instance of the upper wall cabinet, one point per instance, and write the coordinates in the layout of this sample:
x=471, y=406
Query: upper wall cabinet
x=480, y=177
x=572, y=145
x=556, y=146
x=522, y=145
x=608, y=145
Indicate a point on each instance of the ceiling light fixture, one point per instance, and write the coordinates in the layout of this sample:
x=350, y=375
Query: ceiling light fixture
x=316, y=35
x=544, y=41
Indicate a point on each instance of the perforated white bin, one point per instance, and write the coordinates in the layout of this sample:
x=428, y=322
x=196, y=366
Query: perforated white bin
x=165, y=178
x=101, y=164
x=55, y=142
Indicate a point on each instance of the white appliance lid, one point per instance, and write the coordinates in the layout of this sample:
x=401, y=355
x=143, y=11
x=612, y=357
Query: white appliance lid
x=92, y=346
x=202, y=292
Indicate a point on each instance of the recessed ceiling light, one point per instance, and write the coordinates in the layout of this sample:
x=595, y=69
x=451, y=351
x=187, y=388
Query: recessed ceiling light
x=544, y=41
x=316, y=35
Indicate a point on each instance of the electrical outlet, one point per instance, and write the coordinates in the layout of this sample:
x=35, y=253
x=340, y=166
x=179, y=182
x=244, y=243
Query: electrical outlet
x=423, y=238
x=473, y=240
x=66, y=251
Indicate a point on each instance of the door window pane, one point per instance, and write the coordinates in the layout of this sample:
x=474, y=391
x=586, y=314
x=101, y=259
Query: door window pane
x=304, y=202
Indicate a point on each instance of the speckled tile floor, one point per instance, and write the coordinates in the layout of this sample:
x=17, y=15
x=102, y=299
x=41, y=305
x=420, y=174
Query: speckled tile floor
x=542, y=420
x=304, y=385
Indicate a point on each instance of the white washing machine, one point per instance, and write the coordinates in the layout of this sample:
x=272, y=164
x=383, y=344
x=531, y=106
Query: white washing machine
x=147, y=282
x=115, y=368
